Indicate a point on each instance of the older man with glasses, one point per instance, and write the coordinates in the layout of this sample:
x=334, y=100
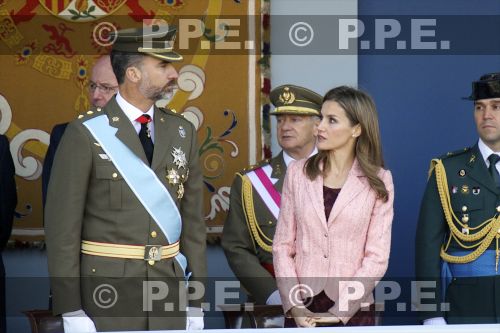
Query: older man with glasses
x=102, y=86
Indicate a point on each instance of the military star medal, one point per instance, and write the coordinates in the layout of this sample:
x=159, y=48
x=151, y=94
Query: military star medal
x=179, y=158
x=173, y=177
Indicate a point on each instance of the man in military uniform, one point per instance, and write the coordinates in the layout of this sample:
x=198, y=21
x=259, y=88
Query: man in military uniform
x=124, y=226
x=457, y=243
x=255, y=194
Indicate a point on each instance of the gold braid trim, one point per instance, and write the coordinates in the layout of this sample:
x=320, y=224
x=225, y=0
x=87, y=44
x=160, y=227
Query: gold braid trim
x=489, y=228
x=249, y=209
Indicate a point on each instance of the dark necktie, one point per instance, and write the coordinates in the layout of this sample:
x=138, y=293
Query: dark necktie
x=145, y=136
x=494, y=158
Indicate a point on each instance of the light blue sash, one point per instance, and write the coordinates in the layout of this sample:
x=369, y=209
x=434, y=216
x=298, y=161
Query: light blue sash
x=141, y=180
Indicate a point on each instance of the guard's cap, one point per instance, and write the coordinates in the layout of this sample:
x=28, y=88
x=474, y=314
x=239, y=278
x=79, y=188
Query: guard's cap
x=291, y=99
x=156, y=41
x=488, y=86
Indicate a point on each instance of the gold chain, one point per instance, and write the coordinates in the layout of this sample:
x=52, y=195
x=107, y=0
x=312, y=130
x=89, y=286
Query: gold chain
x=484, y=237
x=249, y=210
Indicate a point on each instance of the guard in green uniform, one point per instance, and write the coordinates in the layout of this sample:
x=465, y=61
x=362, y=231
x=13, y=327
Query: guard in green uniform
x=255, y=194
x=458, y=233
x=124, y=225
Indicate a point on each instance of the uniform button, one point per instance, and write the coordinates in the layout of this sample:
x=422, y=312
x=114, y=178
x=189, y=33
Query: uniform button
x=465, y=219
x=326, y=235
x=498, y=209
x=99, y=109
x=114, y=175
x=151, y=262
x=270, y=222
x=93, y=270
x=464, y=208
x=325, y=256
x=153, y=234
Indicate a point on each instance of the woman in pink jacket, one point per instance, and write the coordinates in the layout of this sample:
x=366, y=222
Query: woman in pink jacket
x=334, y=229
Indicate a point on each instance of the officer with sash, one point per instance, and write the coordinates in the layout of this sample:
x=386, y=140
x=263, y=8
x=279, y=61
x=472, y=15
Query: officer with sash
x=124, y=227
x=458, y=233
x=256, y=193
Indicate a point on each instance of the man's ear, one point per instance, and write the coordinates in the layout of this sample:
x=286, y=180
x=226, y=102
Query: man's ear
x=133, y=74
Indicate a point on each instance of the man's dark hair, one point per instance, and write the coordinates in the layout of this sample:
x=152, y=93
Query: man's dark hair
x=120, y=61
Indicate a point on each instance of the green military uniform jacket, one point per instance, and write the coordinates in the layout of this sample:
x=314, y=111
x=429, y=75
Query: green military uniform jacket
x=88, y=199
x=473, y=195
x=244, y=254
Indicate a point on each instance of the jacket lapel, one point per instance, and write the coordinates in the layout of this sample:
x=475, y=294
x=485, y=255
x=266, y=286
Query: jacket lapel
x=315, y=191
x=352, y=187
x=126, y=131
x=478, y=171
x=279, y=170
x=164, y=132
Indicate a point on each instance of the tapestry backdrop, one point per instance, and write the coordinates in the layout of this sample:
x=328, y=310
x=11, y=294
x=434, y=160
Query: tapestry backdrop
x=49, y=46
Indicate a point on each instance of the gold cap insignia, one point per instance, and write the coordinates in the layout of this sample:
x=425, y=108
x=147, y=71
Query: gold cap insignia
x=287, y=97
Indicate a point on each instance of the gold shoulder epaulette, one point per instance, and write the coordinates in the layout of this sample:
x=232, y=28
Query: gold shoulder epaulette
x=256, y=166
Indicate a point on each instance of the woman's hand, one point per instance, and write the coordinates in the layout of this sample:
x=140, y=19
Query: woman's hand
x=303, y=317
x=326, y=318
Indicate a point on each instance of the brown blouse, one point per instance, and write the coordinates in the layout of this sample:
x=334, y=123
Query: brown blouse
x=329, y=197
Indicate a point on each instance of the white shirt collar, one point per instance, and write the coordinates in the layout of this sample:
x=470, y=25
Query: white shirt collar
x=289, y=159
x=486, y=152
x=131, y=111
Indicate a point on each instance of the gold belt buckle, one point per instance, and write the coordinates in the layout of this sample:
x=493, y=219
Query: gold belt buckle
x=152, y=252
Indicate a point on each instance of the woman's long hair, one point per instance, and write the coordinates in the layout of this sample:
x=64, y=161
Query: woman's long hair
x=360, y=109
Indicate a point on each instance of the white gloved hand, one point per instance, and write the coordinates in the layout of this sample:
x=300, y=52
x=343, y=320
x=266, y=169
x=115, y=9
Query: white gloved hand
x=435, y=321
x=77, y=321
x=274, y=298
x=194, y=318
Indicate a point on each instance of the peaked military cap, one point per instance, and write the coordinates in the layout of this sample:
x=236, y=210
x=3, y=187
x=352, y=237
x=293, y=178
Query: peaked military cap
x=488, y=86
x=291, y=99
x=156, y=40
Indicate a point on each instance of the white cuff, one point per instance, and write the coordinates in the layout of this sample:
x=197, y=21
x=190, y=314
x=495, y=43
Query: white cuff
x=194, y=318
x=77, y=321
x=435, y=321
x=274, y=298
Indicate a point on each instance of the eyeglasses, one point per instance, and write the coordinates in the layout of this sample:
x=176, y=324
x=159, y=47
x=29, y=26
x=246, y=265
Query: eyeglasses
x=103, y=89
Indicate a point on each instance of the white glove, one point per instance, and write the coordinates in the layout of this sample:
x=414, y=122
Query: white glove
x=194, y=318
x=274, y=298
x=435, y=321
x=77, y=321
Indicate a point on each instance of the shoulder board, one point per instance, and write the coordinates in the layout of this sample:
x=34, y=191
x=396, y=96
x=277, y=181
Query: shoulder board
x=92, y=112
x=454, y=153
x=172, y=112
x=256, y=166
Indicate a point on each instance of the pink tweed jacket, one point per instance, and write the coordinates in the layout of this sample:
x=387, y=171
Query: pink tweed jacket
x=344, y=256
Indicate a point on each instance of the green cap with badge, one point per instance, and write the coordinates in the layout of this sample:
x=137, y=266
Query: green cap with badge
x=292, y=99
x=155, y=40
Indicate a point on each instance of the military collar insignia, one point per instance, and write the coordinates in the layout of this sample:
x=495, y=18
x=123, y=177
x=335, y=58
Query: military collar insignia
x=472, y=159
